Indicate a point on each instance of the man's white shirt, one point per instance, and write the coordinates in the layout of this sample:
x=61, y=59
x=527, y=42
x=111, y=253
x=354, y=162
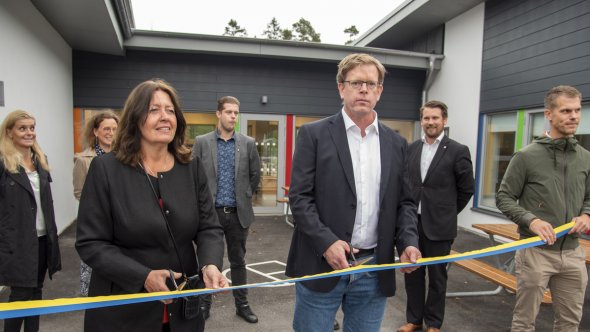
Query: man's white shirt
x=366, y=164
x=428, y=152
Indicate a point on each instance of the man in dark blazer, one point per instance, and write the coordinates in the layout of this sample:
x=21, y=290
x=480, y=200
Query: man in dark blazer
x=349, y=191
x=232, y=166
x=441, y=178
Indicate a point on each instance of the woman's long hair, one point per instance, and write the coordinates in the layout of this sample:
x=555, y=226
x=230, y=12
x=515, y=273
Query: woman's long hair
x=94, y=123
x=127, y=145
x=9, y=155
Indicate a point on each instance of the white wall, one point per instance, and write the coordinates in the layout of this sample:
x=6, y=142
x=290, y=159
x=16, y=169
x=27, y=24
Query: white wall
x=36, y=68
x=458, y=85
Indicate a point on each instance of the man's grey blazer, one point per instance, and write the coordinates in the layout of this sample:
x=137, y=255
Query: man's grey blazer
x=247, y=170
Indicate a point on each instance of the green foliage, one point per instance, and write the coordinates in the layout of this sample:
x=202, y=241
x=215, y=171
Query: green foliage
x=273, y=30
x=352, y=32
x=305, y=32
x=233, y=29
x=287, y=34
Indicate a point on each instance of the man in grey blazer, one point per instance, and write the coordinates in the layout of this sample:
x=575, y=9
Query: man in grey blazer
x=232, y=166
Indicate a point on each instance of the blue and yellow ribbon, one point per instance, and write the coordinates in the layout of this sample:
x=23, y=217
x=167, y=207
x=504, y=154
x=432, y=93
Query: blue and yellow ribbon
x=44, y=307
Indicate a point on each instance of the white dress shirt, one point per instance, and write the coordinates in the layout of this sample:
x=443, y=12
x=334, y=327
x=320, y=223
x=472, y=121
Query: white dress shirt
x=366, y=164
x=428, y=152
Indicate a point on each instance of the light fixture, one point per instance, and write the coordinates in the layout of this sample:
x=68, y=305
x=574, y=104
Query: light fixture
x=264, y=99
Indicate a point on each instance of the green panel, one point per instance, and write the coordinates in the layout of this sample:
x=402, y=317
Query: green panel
x=519, y=129
x=237, y=127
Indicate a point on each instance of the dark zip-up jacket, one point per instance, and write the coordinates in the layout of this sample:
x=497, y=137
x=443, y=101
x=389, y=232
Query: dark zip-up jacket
x=548, y=179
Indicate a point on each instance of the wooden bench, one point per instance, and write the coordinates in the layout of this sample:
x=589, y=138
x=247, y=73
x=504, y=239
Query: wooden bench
x=494, y=275
x=288, y=217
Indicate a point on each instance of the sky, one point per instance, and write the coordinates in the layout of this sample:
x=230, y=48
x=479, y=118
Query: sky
x=329, y=18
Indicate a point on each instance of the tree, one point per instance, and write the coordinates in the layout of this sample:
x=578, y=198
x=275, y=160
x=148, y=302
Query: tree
x=273, y=30
x=287, y=34
x=233, y=29
x=305, y=32
x=352, y=32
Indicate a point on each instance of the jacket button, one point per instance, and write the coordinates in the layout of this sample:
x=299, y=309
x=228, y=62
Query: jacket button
x=353, y=205
x=348, y=233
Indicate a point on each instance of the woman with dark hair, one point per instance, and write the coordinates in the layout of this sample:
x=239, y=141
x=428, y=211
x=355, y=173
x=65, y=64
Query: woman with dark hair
x=143, y=209
x=99, y=133
x=25, y=204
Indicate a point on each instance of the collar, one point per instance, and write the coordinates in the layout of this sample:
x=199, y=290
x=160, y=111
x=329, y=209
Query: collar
x=217, y=136
x=348, y=123
x=437, y=140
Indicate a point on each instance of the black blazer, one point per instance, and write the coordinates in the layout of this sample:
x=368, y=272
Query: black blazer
x=122, y=236
x=323, y=201
x=18, y=228
x=446, y=189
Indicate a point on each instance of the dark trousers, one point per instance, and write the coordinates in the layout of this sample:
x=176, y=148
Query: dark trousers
x=29, y=293
x=235, y=238
x=430, y=307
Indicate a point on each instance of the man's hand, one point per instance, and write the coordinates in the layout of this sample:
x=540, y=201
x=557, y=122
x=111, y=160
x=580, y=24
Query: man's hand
x=213, y=278
x=410, y=255
x=156, y=282
x=335, y=255
x=582, y=224
x=544, y=230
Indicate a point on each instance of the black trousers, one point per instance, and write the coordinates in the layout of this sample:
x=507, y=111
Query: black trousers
x=430, y=307
x=29, y=293
x=235, y=239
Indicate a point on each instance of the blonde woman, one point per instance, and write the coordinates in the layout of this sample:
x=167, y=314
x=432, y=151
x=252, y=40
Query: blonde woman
x=25, y=204
x=99, y=134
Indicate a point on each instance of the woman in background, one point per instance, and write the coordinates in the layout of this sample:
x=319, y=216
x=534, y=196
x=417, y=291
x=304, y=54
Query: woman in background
x=143, y=209
x=28, y=233
x=99, y=134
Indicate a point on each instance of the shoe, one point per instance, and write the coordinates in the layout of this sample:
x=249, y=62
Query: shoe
x=205, y=312
x=410, y=327
x=433, y=329
x=246, y=313
x=336, y=325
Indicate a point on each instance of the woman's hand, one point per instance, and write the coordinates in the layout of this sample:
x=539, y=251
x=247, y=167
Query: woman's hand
x=156, y=282
x=213, y=278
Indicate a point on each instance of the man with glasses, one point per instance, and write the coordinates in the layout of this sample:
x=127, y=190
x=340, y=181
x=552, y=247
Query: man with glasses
x=350, y=200
x=232, y=165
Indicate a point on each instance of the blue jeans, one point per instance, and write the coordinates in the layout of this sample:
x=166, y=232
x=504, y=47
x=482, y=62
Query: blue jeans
x=362, y=302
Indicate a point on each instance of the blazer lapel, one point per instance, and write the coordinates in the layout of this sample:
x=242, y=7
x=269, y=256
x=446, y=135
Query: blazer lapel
x=338, y=133
x=213, y=149
x=414, y=161
x=22, y=179
x=238, y=146
x=440, y=152
x=385, y=144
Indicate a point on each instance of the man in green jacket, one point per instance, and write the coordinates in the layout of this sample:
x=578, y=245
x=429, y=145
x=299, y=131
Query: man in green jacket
x=547, y=184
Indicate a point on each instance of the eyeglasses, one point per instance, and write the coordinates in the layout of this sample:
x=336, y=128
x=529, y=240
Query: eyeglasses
x=357, y=85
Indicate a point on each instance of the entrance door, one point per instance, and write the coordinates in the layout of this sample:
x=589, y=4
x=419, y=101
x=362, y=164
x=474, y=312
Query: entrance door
x=269, y=133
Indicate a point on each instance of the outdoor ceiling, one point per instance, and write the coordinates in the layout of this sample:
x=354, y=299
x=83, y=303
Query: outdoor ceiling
x=88, y=25
x=411, y=20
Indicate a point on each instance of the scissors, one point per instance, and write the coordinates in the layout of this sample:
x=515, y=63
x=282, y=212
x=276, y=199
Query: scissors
x=354, y=261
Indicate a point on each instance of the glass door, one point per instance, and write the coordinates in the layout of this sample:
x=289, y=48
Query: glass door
x=268, y=132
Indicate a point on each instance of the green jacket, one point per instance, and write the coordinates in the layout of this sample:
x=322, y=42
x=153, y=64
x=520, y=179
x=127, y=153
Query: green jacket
x=548, y=179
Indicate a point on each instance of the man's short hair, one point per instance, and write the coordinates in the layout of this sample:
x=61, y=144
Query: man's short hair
x=226, y=100
x=560, y=90
x=435, y=104
x=354, y=60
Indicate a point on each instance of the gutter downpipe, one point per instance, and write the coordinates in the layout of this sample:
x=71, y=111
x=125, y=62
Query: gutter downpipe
x=429, y=79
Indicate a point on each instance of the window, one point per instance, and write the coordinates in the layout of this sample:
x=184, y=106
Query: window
x=498, y=146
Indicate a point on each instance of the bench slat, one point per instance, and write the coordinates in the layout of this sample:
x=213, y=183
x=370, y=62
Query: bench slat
x=495, y=275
